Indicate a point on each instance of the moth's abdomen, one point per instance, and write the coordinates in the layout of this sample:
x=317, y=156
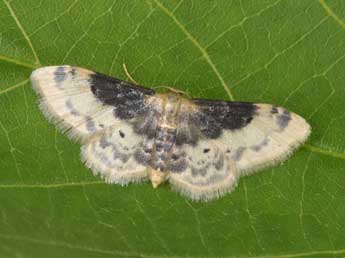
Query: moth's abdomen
x=166, y=133
x=164, y=141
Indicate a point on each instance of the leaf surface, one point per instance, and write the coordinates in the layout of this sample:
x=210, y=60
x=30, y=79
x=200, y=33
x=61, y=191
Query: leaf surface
x=287, y=52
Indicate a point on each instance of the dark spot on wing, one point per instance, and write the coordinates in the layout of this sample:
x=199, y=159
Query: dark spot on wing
x=259, y=146
x=122, y=134
x=73, y=72
x=238, y=154
x=206, y=150
x=178, y=163
x=283, y=119
x=71, y=108
x=199, y=171
x=104, y=143
x=274, y=110
x=219, y=163
x=90, y=124
x=118, y=155
x=59, y=76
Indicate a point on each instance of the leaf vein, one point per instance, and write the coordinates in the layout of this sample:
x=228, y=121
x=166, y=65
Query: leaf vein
x=332, y=14
x=299, y=40
x=13, y=87
x=198, y=46
x=315, y=149
x=17, y=62
x=13, y=14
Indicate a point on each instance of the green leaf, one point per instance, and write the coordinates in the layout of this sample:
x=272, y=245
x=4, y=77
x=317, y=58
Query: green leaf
x=287, y=52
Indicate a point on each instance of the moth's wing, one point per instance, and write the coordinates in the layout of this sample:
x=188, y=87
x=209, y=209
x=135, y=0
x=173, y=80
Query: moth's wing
x=230, y=139
x=84, y=102
x=118, y=154
x=202, y=171
x=253, y=135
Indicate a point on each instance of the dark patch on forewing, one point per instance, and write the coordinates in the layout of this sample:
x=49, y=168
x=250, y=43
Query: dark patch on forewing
x=128, y=99
x=59, y=76
x=215, y=116
x=283, y=119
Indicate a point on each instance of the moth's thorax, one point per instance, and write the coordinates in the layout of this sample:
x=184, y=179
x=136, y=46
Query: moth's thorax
x=171, y=106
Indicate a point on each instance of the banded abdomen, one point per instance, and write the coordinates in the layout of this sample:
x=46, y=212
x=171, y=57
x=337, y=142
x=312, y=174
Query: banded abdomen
x=164, y=141
x=165, y=133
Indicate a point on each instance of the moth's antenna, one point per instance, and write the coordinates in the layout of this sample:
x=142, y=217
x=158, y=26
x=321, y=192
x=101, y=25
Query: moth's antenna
x=172, y=90
x=128, y=75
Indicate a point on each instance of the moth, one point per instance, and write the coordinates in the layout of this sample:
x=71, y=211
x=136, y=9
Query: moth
x=130, y=133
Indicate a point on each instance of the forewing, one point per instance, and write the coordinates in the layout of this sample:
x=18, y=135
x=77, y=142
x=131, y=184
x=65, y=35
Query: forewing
x=202, y=171
x=252, y=135
x=84, y=102
x=271, y=137
x=117, y=155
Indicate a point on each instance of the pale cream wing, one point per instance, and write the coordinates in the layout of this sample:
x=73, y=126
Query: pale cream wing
x=118, y=155
x=271, y=137
x=218, y=141
x=252, y=135
x=202, y=171
x=83, y=102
